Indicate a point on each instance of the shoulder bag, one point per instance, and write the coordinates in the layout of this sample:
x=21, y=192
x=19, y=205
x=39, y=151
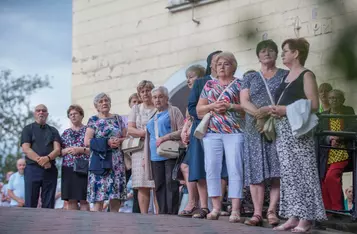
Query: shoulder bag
x=81, y=166
x=133, y=144
x=269, y=126
x=202, y=127
x=168, y=149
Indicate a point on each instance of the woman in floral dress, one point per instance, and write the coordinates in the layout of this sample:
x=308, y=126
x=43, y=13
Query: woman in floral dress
x=74, y=185
x=110, y=186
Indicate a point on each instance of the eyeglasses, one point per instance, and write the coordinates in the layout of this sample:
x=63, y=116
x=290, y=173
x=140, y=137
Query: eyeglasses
x=41, y=110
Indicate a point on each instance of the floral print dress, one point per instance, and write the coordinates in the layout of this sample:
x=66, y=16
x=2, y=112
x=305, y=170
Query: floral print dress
x=73, y=138
x=112, y=185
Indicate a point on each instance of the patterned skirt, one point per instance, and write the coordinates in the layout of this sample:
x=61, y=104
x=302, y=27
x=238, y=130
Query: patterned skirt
x=110, y=186
x=138, y=172
x=300, y=191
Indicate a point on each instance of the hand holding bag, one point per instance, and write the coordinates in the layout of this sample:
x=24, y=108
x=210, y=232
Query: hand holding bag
x=269, y=126
x=168, y=149
x=133, y=144
x=202, y=127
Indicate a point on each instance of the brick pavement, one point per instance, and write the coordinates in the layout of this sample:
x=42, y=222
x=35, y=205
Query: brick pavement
x=33, y=221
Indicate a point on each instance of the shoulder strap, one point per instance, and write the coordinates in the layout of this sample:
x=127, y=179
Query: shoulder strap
x=228, y=86
x=267, y=88
x=156, y=126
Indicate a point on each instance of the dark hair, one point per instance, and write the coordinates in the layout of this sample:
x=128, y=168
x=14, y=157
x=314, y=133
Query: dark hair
x=266, y=44
x=209, y=60
x=299, y=44
x=77, y=108
x=325, y=87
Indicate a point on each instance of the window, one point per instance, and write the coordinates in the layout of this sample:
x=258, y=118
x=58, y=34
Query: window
x=179, y=5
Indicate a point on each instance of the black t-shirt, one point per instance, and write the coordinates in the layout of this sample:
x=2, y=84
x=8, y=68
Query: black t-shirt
x=41, y=138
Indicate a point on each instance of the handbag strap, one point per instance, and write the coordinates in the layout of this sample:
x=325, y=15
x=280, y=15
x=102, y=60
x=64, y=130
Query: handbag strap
x=156, y=127
x=267, y=88
x=284, y=91
x=226, y=89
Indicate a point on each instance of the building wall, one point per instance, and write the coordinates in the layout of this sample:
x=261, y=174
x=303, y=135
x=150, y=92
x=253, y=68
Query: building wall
x=117, y=43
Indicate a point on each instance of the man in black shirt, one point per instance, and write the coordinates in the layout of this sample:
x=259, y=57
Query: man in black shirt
x=41, y=144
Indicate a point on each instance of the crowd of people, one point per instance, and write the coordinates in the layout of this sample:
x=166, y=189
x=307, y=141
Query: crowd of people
x=244, y=137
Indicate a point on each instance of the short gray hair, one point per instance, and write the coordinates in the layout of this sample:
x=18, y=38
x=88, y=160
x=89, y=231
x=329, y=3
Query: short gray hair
x=161, y=89
x=100, y=96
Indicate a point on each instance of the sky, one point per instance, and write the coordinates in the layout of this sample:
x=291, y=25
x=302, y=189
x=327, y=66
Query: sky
x=36, y=38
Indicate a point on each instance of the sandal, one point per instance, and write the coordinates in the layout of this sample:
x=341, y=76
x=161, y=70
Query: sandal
x=213, y=215
x=187, y=213
x=301, y=230
x=256, y=220
x=235, y=217
x=201, y=213
x=224, y=213
x=284, y=228
x=273, y=220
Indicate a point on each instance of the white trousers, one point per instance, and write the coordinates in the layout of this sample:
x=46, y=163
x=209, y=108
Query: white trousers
x=233, y=146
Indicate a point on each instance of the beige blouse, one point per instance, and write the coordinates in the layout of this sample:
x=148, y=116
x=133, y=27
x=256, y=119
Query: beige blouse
x=140, y=116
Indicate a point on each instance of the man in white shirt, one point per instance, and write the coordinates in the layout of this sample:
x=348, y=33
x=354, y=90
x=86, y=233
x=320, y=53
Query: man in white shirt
x=16, y=186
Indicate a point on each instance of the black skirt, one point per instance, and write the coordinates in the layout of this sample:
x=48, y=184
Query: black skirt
x=74, y=185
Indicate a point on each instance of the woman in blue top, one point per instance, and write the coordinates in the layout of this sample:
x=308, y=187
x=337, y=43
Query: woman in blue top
x=169, y=125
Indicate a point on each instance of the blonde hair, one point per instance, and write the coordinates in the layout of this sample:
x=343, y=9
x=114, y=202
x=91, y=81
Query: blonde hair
x=229, y=57
x=143, y=84
x=197, y=69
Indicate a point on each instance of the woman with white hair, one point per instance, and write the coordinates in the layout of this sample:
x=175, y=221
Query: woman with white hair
x=166, y=125
x=106, y=176
x=225, y=134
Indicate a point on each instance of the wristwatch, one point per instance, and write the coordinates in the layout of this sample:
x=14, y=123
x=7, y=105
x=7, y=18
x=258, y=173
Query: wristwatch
x=231, y=107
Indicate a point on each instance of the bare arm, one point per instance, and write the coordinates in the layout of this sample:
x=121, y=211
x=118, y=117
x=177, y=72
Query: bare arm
x=134, y=132
x=311, y=90
x=14, y=197
x=88, y=136
x=26, y=148
x=56, y=150
x=203, y=107
x=249, y=107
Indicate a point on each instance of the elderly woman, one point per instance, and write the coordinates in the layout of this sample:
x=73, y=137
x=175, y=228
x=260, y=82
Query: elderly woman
x=300, y=196
x=74, y=183
x=334, y=162
x=134, y=100
x=224, y=134
x=192, y=73
x=166, y=125
x=261, y=163
x=137, y=120
x=105, y=132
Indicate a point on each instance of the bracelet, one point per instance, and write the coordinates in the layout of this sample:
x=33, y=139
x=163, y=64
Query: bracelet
x=49, y=159
x=84, y=150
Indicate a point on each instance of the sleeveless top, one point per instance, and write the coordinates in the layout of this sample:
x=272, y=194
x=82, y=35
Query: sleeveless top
x=293, y=92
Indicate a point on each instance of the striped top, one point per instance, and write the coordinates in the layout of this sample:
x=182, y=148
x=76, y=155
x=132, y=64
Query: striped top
x=231, y=121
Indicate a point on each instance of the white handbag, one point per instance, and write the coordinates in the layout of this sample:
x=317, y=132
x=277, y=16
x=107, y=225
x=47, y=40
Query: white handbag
x=202, y=127
x=133, y=144
x=167, y=149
